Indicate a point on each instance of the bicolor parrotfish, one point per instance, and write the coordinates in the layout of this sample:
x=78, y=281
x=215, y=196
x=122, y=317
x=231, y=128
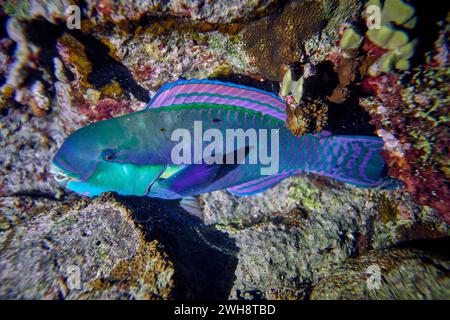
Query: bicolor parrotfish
x=133, y=154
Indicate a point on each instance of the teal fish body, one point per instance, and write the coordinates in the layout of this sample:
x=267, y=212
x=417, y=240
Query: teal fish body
x=199, y=136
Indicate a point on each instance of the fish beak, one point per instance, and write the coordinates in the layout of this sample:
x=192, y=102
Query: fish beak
x=60, y=176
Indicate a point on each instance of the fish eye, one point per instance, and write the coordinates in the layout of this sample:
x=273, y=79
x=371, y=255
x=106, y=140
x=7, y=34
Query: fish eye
x=108, y=155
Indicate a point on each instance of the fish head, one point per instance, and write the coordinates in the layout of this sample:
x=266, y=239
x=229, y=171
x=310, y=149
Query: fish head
x=101, y=157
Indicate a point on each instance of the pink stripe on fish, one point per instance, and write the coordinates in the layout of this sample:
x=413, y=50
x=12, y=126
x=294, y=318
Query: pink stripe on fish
x=228, y=102
x=218, y=89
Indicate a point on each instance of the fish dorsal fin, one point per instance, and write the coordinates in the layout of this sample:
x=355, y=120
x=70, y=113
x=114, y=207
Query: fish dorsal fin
x=188, y=92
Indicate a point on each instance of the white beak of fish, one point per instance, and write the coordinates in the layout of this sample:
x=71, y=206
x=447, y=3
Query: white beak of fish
x=60, y=176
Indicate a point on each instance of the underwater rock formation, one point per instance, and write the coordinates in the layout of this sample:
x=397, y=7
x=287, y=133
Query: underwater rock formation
x=78, y=250
x=394, y=274
x=292, y=235
x=308, y=117
x=411, y=113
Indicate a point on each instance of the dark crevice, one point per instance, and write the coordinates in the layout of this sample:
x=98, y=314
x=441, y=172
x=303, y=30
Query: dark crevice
x=349, y=118
x=204, y=259
x=440, y=246
x=427, y=28
x=104, y=67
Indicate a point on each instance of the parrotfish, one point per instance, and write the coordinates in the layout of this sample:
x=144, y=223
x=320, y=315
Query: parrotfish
x=179, y=146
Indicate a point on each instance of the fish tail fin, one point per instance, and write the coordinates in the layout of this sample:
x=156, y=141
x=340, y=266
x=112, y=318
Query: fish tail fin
x=352, y=159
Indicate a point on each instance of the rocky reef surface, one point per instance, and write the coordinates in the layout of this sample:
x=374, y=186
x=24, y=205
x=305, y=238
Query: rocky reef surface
x=306, y=238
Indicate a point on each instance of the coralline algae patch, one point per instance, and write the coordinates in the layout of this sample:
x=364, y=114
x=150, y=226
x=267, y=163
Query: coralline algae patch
x=155, y=59
x=413, y=122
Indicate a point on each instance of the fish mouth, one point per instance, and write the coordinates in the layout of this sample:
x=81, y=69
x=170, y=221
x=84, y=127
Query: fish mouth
x=62, y=176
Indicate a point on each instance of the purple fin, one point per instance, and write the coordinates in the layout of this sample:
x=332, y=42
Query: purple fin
x=193, y=177
x=259, y=185
x=221, y=93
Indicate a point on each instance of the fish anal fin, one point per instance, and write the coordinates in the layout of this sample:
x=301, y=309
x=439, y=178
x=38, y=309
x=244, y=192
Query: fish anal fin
x=259, y=185
x=192, y=206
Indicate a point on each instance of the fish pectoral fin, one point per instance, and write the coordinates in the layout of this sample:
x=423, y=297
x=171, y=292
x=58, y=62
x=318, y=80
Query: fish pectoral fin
x=194, y=178
x=191, y=178
x=170, y=171
x=192, y=205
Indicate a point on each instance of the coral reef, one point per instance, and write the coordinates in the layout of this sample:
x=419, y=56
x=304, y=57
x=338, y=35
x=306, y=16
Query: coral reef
x=307, y=90
x=272, y=42
x=215, y=12
x=309, y=117
x=26, y=57
x=99, y=240
x=409, y=108
x=413, y=122
x=28, y=145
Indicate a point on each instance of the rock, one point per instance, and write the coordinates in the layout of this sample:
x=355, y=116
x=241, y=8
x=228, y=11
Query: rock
x=204, y=257
x=28, y=145
x=124, y=11
x=289, y=236
x=400, y=274
x=213, y=12
x=78, y=250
